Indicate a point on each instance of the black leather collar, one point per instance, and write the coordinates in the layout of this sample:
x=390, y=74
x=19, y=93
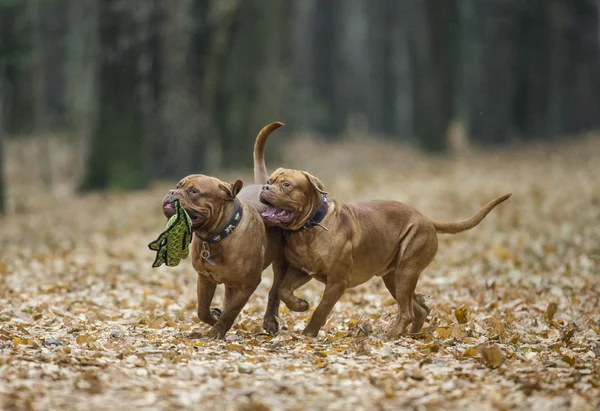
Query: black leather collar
x=318, y=215
x=229, y=226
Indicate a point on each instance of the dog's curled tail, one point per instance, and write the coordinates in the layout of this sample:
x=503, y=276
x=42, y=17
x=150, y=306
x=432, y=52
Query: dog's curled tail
x=260, y=168
x=458, y=226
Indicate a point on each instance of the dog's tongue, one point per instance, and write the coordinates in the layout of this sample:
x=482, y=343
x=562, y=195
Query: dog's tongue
x=270, y=212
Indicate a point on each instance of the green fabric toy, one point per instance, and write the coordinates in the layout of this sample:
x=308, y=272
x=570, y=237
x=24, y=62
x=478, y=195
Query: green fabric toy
x=172, y=245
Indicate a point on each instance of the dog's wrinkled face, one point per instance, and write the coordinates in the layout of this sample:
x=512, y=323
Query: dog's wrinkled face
x=203, y=198
x=292, y=196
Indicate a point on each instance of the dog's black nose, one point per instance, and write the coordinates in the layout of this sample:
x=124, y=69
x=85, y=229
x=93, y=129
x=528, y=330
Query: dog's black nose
x=172, y=193
x=265, y=187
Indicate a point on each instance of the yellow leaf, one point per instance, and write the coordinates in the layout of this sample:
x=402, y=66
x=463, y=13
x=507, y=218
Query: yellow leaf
x=550, y=311
x=462, y=314
x=444, y=332
x=569, y=359
x=470, y=352
x=19, y=341
x=321, y=362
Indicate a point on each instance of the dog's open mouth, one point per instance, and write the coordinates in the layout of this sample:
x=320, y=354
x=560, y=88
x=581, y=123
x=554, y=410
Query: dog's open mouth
x=276, y=215
x=169, y=211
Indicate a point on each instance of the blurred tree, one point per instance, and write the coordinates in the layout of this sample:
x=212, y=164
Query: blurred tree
x=81, y=68
x=250, y=86
x=180, y=108
x=432, y=44
x=122, y=137
x=2, y=182
x=15, y=41
x=155, y=88
x=40, y=105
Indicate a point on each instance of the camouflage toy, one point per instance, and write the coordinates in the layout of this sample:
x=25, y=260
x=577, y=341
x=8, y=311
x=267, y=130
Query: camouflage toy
x=172, y=245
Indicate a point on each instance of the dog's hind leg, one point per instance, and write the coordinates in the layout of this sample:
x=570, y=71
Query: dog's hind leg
x=415, y=256
x=270, y=324
x=420, y=309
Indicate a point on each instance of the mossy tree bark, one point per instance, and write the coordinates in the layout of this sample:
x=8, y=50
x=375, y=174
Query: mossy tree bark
x=119, y=155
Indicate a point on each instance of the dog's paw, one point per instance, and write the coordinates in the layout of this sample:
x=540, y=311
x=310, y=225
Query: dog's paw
x=270, y=325
x=298, y=305
x=215, y=334
x=309, y=332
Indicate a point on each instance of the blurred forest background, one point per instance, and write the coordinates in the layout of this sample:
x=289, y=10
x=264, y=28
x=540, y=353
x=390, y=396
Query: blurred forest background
x=152, y=89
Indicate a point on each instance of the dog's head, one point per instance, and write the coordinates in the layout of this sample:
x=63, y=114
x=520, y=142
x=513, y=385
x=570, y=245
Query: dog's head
x=292, y=196
x=203, y=197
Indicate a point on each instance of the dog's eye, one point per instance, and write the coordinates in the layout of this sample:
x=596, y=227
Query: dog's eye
x=287, y=185
x=193, y=191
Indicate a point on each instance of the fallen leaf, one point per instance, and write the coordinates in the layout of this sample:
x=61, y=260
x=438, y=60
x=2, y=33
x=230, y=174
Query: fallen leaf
x=462, y=314
x=491, y=356
x=470, y=352
x=444, y=332
x=551, y=311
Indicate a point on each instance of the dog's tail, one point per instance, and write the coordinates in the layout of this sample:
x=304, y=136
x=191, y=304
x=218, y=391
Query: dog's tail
x=458, y=226
x=260, y=169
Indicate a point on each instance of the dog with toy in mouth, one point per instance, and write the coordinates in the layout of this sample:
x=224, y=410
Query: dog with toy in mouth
x=231, y=244
x=345, y=245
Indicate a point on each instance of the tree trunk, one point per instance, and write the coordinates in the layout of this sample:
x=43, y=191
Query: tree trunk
x=492, y=107
x=432, y=45
x=180, y=109
x=82, y=70
x=306, y=103
x=118, y=157
x=40, y=115
x=352, y=72
x=2, y=180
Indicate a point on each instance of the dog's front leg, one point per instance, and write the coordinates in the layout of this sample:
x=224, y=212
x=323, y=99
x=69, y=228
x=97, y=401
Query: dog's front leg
x=237, y=299
x=206, y=292
x=333, y=292
x=293, y=280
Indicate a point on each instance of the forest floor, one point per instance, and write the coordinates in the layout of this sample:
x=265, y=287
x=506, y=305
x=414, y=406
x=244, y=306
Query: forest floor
x=86, y=323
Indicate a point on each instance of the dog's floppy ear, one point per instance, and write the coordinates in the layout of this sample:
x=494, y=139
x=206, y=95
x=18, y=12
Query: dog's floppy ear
x=275, y=173
x=315, y=182
x=232, y=190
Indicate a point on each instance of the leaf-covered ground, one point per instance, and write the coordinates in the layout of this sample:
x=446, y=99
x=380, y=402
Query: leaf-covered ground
x=86, y=323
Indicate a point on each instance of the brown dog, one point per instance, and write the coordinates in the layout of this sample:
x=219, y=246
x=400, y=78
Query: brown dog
x=344, y=245
x=231, y=244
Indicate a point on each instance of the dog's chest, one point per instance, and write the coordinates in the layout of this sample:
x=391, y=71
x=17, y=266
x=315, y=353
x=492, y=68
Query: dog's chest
x=212, y=275
x=311, y=258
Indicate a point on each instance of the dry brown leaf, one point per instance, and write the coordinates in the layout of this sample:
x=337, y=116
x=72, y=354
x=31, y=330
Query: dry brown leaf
x=78, y=270
x=444, y=332
x=551, y=311
x=491, y=356
x=462, y=314
x=470, y=352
